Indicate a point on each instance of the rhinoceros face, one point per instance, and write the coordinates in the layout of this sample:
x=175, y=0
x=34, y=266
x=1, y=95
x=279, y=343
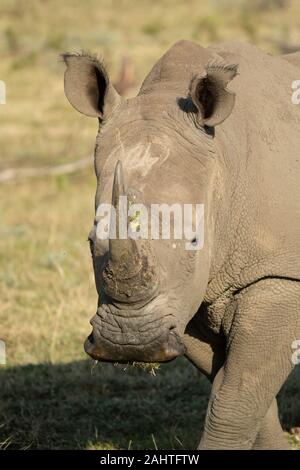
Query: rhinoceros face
x=155, y=149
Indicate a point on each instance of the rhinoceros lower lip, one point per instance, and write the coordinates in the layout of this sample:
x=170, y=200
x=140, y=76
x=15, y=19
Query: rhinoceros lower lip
x=166, y=350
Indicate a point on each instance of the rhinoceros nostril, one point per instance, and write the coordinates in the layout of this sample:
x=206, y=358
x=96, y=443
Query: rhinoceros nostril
x=90, y=338
x=172, y=327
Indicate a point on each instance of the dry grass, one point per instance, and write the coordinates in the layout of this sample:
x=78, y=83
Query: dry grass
x=47, y=295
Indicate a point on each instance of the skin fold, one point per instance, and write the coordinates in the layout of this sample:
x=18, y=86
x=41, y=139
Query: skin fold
x=214, y=126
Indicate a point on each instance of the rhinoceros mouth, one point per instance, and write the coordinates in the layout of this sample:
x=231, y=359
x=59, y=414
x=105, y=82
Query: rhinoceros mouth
x=122, y=336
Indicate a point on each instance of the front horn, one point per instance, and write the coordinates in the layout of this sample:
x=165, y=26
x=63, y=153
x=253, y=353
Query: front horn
x=130, y=274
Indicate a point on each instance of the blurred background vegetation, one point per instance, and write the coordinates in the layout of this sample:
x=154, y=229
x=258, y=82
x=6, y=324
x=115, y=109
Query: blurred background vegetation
x=51, y=396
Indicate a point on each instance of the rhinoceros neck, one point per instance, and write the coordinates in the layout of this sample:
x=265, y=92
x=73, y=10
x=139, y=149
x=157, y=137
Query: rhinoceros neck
x=258, y=231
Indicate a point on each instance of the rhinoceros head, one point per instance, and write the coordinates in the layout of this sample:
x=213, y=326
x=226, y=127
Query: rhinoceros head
x=154, y=150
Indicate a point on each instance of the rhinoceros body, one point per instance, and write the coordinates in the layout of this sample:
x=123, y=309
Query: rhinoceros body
x=215, y=126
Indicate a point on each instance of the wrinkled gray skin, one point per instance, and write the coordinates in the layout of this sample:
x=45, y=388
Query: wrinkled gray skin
x=198, y=132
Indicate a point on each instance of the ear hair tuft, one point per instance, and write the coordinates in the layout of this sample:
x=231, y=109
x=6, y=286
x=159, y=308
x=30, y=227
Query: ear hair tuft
x=94, y=58
x=222, y=71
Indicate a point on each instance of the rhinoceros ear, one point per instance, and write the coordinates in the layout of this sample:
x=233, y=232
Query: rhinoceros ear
x=210, y=95
x=87, y=86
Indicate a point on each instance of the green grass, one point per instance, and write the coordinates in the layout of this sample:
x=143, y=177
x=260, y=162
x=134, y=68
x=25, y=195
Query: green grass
x=51, y=396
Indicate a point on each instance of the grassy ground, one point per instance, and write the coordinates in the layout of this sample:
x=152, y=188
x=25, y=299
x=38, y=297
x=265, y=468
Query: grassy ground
x=51, y=396
x=74, y=406
x=77, y=405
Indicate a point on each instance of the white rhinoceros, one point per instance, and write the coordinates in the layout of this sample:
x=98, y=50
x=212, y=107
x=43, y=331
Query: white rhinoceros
x=214, y=126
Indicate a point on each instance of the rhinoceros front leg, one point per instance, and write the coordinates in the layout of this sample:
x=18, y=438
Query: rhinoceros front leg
x=270, y=434
x=209, y=358
x=258, y=362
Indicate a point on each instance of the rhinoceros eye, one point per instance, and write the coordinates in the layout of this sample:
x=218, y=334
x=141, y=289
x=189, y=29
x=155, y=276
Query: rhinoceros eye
x=210, y=131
